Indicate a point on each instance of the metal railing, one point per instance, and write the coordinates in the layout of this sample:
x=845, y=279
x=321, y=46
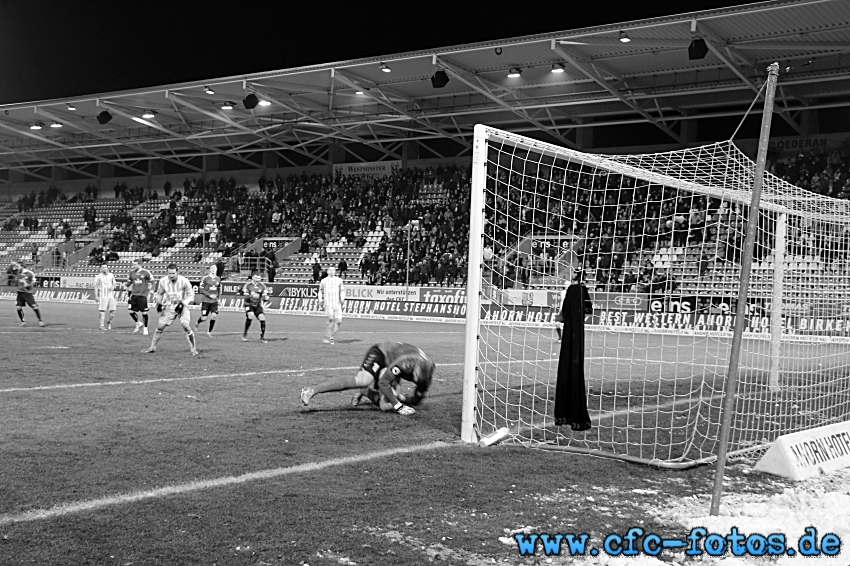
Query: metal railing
x=53, y=260
x=249, y=264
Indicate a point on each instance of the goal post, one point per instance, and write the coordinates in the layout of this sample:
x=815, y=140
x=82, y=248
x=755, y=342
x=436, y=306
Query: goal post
x=659, y=238
x=776, y=304
x=473, y=283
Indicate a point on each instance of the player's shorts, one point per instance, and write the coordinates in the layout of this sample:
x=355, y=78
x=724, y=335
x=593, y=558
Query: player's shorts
x=334, y=312
x=107, y=302
x=256, y=309
x=168, y=316
x=26, y=299
x=138, y=303
x=209, y=308
x=374, y=362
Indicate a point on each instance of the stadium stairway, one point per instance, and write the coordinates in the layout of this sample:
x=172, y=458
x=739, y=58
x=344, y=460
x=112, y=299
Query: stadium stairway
x=158, y=266
x=299, y=268
x=17, y=245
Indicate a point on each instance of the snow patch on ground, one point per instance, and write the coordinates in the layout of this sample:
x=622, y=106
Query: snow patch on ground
x=823, y=503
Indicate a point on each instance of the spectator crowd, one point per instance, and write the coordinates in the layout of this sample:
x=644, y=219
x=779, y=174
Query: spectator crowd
x=613, y=224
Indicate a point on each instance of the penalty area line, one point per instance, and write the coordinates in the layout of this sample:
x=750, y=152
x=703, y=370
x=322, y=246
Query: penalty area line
x=299, y=371
x=134, y=497
x=171, y=379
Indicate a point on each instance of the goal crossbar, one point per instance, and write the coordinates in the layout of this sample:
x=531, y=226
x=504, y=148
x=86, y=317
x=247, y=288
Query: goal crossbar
x=657, y=239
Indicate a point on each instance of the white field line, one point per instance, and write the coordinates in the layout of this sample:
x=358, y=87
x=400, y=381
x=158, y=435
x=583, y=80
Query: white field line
x=172, y=379
x=178, y=489
x=128, y=330
x=299, y=371
x=660, y=406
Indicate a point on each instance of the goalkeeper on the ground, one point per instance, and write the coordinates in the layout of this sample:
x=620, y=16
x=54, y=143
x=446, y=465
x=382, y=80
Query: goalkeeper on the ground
x=383, y=368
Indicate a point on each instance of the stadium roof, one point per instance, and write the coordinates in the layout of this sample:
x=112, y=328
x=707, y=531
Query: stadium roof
x=371, y=107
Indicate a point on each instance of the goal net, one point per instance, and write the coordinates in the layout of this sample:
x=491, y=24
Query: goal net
x=657, y=239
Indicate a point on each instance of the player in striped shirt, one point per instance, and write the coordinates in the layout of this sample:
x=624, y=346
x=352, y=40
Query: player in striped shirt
x=104, y=292
x=209, y=289
x=256, y=294
x=331, y=299
x=139, y=286
x=173, y=296
x=381, y=371
x=26, y=282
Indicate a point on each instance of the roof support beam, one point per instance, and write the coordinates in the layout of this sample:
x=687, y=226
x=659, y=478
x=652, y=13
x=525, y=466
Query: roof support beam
x=177, y=135
x=293, y=107
x=713, y=42
x=59, y=145
x=484, y=86
x=242, y=127
x=593, y=74
x=367, y=88
x=24, y=170
x=33, y=156
x=88, y=129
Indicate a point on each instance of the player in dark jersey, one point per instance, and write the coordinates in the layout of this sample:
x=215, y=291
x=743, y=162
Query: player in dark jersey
x=256, y=294
x=381, y=371
x=26, y=282
x=209, y=289
x=139, y=286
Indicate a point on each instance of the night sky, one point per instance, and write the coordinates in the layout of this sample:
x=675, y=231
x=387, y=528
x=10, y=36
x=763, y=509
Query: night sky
x=54, y=49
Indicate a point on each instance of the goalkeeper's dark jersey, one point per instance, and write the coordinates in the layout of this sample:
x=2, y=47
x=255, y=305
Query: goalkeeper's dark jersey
x=255, y=293
x=26, y=281
x=402, y=360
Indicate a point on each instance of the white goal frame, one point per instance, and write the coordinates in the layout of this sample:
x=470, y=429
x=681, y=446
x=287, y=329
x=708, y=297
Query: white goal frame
x=779, y=198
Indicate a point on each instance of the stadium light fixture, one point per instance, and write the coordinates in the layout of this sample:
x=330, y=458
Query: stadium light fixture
x=558, y=68
x=227, y=106
x=104, y=117
x=624, y=38
x=36, y=126
x=56, y=125
x=149, y=114
x=514, y=73
x=385, y=69
x=265, y=103
x=208, y=90
x=71, y=107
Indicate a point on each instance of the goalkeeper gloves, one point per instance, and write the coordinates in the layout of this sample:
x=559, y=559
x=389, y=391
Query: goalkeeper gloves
x=179, y=308
x=405, y=411
x=159, y=307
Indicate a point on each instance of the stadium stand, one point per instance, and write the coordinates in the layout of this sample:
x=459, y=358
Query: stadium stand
x=409, y=228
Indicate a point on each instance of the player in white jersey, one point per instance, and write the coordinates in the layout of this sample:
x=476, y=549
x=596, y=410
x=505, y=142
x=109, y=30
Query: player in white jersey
x=331, y=299
x=173, y=295
x=104, y=287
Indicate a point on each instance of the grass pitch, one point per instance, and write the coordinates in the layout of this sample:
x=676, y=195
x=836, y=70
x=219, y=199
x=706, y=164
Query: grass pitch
x=111, y=456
